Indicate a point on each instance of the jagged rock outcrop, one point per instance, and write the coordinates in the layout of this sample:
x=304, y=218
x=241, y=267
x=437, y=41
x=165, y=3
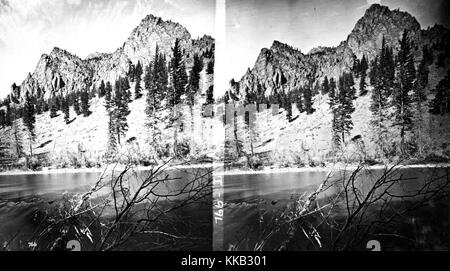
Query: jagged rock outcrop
x=61, y=72
x=378, y=22
x=284, y=68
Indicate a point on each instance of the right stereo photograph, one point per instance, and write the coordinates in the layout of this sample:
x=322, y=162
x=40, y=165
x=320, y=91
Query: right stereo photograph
x=337, y=125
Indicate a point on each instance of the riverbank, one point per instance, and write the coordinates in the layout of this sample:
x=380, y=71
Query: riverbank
x=117, y=167
x=327, y=169
x=218, y=169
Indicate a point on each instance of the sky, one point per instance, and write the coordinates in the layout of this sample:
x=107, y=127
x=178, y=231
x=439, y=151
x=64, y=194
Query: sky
x=254, y=24
x=30, y=28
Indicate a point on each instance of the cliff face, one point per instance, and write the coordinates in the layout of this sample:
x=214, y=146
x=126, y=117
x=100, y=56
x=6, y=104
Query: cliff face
x=57, y=71
x=282, y=61
x=61, y=72
x=378, y=22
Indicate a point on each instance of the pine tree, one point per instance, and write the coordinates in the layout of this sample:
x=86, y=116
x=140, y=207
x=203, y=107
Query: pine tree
x=2, y=118
x=363, y=66
x=112, y=142
x=325, y=86
x=84, y=98
x=148, y=74
x=343, y=108
x=110, y=109
x=333, y=102
x=356, y=66
x=8, y=115
x=57, y=103
x=76, y=104
x=39, y=105
x=420, y=99
x=210, y=67
x=151, y=85
x=125, y=87
x=138, y=88
x=157, y=84
x=403, y=85
x=53, y=108
x=422, y=73
x=298, y=100
x=307, y=96
x=108, y=96
x=66, y=110
x=121, y=111
x=382, y=77
x=387, y=69
x=6, y=158
x=332, y=92
x=101, y=89
x=335, y=134
x=194, y=79
x=131, y=73
x=441, y=102
x=45, y=106
x=350, y=85
x=29, y=120
x=373, y=73
x=178, y=73
x=138, y=71
x=419, y=95
x=362, y=85
x=287, y=104
x=17, y=131
x=39, y=102
x=163, y=77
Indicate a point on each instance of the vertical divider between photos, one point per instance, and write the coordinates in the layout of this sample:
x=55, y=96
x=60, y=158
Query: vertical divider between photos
x=218, y=163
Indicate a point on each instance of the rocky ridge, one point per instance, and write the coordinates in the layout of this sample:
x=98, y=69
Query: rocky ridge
x=61, y=72
x=284, y=68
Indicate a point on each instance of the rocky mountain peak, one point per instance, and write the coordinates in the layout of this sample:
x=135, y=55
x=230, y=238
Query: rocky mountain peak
x=280, y=47
x=62, y=72
x=377, y=23
x=377, y=9
x=154, y=31
x=320, y=50
x=283, y=67
x=56, y=51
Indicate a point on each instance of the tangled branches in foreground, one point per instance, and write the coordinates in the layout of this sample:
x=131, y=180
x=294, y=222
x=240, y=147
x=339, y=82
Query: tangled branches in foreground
x=353, y=206
x=131, y=209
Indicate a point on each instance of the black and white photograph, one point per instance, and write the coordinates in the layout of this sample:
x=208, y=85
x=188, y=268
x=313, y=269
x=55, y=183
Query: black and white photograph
x=224, y=125
x=99, y=103
x=341, y=136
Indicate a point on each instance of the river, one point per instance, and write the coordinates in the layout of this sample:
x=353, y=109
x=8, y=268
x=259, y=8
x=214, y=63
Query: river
x=27, y=199
x=252, y=200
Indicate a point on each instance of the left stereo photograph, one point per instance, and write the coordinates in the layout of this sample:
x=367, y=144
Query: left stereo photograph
x=104, y=140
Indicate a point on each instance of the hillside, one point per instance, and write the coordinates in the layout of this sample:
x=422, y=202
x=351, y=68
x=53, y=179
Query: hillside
x=281, y=74
x=83, y=140
x=61, y=72
x=307, y=138
x=306, y=141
